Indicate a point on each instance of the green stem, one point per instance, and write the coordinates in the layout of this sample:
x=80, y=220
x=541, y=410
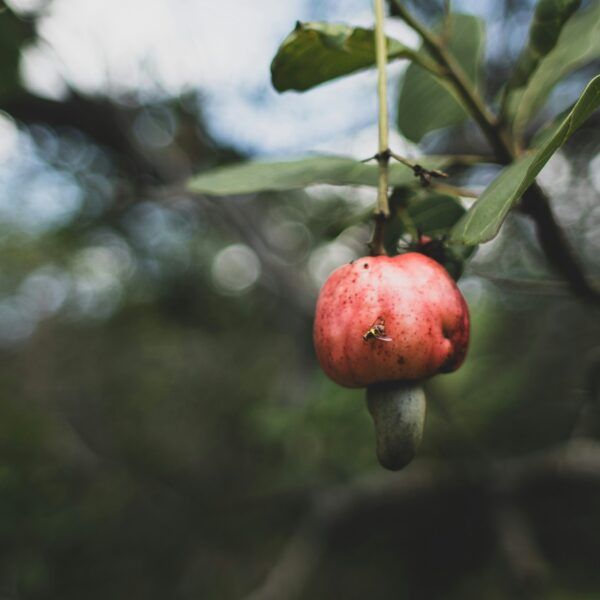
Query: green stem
x=382, y=211
x=383, y=157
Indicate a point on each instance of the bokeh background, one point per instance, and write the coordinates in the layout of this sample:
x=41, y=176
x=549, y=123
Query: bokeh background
x=165, y=431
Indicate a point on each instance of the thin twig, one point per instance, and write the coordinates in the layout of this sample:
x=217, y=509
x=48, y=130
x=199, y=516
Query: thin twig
x=468, y=160
x=424, y=175
x=452, y=160
x=453, y=190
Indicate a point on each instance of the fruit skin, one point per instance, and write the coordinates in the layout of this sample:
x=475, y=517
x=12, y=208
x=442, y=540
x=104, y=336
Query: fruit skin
x=422, y=310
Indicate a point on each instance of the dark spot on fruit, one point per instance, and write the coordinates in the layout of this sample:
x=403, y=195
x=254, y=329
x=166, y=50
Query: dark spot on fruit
x=365, y=266
x=401, y=360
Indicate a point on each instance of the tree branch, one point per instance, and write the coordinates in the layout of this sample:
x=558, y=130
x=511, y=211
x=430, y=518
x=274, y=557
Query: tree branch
x=555, y=245
x=301, y=555
x=95, y=117
x=519, y=548
x=577, y=459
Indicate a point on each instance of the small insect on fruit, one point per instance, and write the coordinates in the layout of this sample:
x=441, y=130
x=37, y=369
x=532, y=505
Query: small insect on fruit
x=377, y=331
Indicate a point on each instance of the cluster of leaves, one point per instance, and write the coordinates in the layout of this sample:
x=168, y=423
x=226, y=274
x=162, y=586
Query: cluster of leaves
x=561, y=40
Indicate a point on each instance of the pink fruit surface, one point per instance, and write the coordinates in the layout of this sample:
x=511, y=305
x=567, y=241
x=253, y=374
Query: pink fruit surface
x=389, y=319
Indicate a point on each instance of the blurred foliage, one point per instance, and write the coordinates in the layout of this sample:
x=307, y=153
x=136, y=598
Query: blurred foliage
x=260, y=176
x=577, y=44
x=14, y=33
x=163, y=423
x=546, y=26
x=484, y=220
x=424, y=103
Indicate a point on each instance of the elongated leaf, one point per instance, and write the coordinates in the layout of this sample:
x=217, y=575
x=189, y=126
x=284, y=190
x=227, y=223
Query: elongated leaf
x=425, y=104
x=434, y=214
x=293, y=174
x=484, y=218
x=578, y=44
x=548, y=20
x=318, y=52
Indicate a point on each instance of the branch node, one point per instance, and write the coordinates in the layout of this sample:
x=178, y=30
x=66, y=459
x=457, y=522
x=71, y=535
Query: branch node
x=426, y=175
x=383, y=157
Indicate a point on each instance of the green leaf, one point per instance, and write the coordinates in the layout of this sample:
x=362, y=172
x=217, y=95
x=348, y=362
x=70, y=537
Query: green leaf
x=425, y=104
x=548, y=20
x=434, y=214
x=423, y=211
x=318, y=52
x=578, y=44
x=258, y=176
x=483, y=220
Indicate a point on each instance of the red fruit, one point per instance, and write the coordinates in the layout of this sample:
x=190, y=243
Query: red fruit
x=388, y=319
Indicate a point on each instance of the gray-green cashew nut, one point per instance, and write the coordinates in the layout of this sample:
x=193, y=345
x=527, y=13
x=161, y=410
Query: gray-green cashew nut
x=398, y=411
